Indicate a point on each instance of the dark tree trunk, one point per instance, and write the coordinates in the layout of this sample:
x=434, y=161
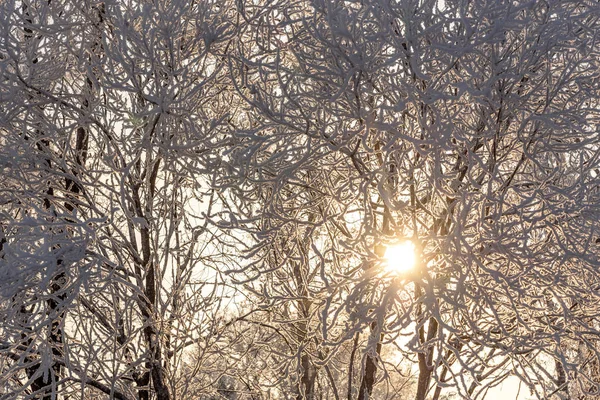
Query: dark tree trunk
x=425, y=359
x=368, y=381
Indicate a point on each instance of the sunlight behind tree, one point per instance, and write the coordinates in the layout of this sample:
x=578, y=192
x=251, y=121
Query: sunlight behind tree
x=400, y=257
x=196, y=199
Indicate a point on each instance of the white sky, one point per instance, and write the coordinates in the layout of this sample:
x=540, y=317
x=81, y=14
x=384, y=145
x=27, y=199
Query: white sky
x=510, y=389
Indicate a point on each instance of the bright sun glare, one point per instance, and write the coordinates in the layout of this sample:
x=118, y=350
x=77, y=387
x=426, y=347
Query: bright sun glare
x=400, y=257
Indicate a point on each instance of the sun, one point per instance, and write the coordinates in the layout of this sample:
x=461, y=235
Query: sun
x=400, y=257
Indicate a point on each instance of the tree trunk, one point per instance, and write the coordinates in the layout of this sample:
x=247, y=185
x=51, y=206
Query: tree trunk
x=368, y=381
x=425, y=359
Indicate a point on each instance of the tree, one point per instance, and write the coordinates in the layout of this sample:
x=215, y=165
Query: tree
x=197, y=198
x=468, y=128
x=110, y=114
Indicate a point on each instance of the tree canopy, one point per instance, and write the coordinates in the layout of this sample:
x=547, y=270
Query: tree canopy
x=199, y=199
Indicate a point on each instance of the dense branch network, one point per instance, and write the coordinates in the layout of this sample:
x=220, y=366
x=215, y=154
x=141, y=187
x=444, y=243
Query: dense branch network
x=196, y=198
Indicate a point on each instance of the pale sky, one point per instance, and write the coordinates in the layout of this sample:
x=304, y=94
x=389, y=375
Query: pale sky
x=509, y=390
